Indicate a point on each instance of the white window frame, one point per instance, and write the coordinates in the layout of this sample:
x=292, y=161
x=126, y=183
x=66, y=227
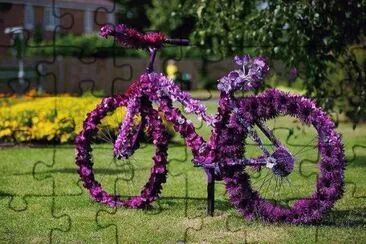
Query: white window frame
x=28, y=16
x=88, y=21
x=50, y=21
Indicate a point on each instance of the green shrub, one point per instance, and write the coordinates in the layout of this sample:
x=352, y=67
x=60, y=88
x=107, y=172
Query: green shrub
x=88, y=45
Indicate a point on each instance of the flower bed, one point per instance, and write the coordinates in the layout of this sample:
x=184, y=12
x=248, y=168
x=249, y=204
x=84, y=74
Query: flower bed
x=51, y=119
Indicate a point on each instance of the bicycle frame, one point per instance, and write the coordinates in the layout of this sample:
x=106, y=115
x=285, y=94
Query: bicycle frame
x=205, y=154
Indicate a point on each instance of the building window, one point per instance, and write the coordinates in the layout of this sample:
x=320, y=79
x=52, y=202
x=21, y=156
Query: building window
x=50, y=19
x=28, y=16
x=88, y=21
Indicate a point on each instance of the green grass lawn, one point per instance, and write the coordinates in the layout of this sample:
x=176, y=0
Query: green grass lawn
x=42, y=200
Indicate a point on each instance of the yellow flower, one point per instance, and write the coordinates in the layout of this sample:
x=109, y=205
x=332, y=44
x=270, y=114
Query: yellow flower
x=35, y=120
x=4, y=133
x=57, y=118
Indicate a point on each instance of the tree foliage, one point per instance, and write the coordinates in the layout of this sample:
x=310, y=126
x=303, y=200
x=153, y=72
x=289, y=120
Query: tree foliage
x=133, y=13
x=319, y=38
x=167, y=16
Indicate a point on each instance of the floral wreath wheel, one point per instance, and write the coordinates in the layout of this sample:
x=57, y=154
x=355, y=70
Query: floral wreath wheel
x=87, y=139
x=329, y=178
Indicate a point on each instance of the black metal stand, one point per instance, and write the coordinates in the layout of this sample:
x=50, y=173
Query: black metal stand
x=210, y=191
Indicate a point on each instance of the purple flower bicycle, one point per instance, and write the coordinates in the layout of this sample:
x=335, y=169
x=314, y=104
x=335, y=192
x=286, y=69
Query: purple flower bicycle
x=222, y=156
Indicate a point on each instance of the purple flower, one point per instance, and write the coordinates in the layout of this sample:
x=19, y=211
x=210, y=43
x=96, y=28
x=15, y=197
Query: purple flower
x=284, y=162
x=123, y=146
x=159, y=169
x=161, y=83
x=258, y=69
x=132, y=38
x=121, y=28
x=106, y=30
x=134, y=202
x=242, y=60
x=233, y=75
x=85, y=171
x=248, y=77
x=96, y=190
x=261, y=63
x=225, y=85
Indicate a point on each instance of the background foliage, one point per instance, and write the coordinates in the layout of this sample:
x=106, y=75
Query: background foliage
x=70, y=45
x=323, y=41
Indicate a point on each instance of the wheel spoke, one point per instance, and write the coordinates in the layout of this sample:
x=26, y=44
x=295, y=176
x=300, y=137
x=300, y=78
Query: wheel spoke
x=264, y=179
x=272, y=185
x=307, y=150
x=305, y=146
x=101, y=135
x=110, y=136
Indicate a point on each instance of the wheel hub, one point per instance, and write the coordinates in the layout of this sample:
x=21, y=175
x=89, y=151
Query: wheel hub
x=283, y=162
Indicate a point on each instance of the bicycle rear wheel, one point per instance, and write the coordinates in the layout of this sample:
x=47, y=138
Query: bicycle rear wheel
x=94, y=148
x=250, y=198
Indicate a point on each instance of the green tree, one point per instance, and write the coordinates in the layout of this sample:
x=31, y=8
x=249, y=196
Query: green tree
x=171, y=18
x=318, y=37
x=133, y=13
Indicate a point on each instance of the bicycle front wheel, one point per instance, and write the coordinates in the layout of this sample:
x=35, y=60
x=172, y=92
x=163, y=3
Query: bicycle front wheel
x=252, y=192
x=121, y=178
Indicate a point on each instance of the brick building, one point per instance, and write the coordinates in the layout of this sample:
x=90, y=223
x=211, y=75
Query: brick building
x=69, y=16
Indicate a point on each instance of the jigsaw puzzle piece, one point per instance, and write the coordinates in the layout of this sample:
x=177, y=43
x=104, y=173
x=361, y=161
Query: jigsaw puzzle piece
x=82, y=227
x=62, y=170
x=162, y=223
x=18, y=182
x=32, y=201
x=37, y=224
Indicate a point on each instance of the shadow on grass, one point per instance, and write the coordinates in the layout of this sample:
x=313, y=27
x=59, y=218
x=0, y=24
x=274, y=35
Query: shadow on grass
x=345, y=218
x=5, y=194
x=335, y=218
x=222, y=205
x=357, y=162
x=100, y=171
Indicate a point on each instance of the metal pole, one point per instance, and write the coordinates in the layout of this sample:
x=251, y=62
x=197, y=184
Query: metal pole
x=150, y=67
x=210, y=191
x=21, y=61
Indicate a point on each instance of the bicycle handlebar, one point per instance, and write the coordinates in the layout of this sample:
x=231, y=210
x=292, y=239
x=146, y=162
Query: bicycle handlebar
x=178, y=42
x=133, y=38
